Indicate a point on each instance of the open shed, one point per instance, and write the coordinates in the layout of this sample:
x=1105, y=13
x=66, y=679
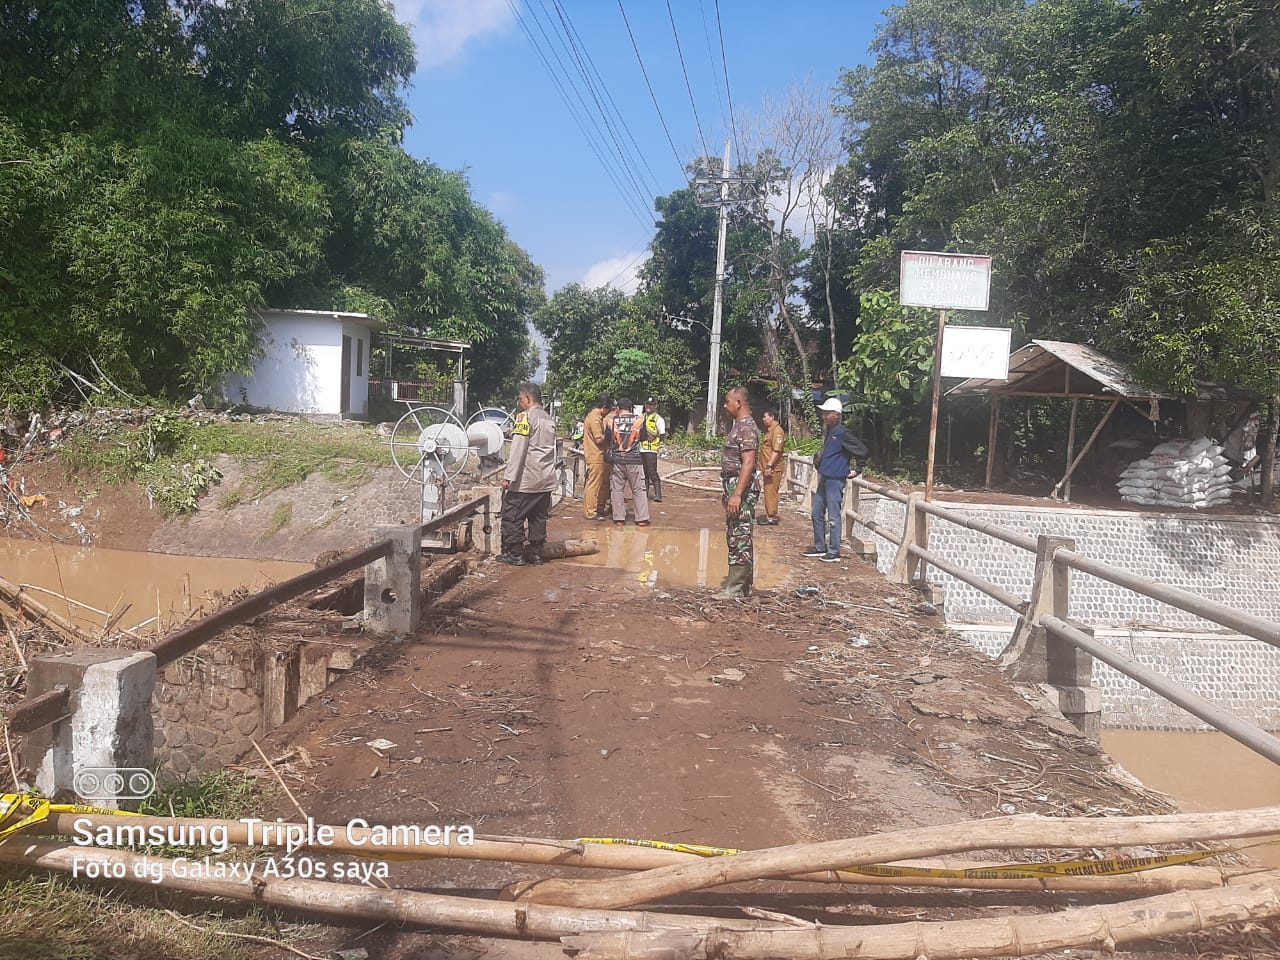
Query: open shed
x=1075, y=372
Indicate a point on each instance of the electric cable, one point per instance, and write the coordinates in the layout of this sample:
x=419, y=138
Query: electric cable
x=604, y=87
x=627, y=199
x=733, y=123
x=607, y=134
x=711, y=59
x=687, y=85
x=665, y=129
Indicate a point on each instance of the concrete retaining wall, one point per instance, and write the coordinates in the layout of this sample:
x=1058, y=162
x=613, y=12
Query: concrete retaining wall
x=1233, y=559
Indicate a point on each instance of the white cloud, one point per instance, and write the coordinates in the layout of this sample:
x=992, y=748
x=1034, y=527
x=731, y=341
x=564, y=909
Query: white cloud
x=443, y=28
x=621, y=273
x=501, y=201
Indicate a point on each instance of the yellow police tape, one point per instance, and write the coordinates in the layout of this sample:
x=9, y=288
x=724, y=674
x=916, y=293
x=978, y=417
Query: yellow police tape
x=1112, y=867
x=37, y=810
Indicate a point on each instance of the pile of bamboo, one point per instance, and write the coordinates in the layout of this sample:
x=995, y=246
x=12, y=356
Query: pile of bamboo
x=595, y=918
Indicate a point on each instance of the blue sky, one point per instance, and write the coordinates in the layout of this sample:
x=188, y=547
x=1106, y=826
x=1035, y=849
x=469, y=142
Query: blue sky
x=483, y=103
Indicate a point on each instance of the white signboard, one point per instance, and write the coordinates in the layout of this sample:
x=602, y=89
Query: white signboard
x=948, y=281
x=979, y=352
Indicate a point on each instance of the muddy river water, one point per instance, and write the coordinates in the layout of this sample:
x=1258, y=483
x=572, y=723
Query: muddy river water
x=1202, y=771
x=128, y=588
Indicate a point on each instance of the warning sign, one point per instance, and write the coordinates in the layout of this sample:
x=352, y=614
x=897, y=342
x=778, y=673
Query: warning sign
x=947, y=281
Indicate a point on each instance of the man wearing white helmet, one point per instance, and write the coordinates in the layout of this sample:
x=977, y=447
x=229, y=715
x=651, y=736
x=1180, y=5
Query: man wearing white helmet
x=840, y=457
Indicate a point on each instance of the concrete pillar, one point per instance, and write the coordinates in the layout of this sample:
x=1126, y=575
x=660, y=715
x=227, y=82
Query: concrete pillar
x=861, y=543
x=109, y=726
x=393, y=584
x=1026, y=657
x=907, y=567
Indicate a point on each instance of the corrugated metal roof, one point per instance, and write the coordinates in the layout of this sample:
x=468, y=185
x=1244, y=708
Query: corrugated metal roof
x=1032, y=368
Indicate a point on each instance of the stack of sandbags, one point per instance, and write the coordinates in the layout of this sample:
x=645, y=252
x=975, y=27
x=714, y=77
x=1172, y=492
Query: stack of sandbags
x=1180, y=473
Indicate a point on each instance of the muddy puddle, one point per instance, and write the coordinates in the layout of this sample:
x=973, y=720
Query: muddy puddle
x=1202, y=771
x=129, y=589
x=657, y=557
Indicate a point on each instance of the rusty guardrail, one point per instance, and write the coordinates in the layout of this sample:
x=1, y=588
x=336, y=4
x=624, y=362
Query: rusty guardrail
x=50, y=707
x=47, y=708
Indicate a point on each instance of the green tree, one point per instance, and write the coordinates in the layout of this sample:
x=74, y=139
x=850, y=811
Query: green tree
x=889, y=371
x=169, y=167
x=601, y=341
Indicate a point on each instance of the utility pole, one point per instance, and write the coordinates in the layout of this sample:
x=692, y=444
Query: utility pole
x=717, y=313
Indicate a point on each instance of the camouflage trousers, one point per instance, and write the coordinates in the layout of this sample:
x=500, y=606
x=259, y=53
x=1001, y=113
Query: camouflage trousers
x=738, y=530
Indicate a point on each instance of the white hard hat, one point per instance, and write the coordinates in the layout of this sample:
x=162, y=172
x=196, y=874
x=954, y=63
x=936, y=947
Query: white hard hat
x=832, y=404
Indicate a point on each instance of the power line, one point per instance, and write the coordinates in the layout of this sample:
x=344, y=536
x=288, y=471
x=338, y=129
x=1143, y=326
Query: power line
x=648, y=247
x=688, y=86
x=711, y=59
x=628, y=200
x=674, y=152
x=733, y=123
x=604, y=87
x=608, y=135
x=626, y=172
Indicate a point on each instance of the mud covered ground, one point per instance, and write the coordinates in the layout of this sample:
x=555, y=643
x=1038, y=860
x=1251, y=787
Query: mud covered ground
x=613, y=698
x=610, y=696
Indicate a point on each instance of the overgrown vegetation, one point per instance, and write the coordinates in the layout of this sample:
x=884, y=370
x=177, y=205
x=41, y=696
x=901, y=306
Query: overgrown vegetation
x=172, y=168
x=50, y=917
x=172, y=458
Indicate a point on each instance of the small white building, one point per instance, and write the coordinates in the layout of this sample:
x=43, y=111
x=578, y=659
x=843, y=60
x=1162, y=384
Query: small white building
x=313, y=361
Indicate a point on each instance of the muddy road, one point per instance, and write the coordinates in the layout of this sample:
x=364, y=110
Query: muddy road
x=611, y=697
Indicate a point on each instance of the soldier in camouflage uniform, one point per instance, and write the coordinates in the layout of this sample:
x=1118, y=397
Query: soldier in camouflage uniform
x=741, y=491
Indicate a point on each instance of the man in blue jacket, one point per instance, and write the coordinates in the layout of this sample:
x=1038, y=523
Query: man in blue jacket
x=840, y=457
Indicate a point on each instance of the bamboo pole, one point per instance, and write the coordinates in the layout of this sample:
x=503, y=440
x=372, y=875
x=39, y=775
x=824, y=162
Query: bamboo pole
x=1104, y=926
x=574, y=853
x=1003, y=833
x=561, y=549
x=30, y=604
x=359, y=903
x=1071, y=467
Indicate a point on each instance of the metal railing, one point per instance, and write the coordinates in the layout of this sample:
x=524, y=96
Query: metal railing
x=1047, y=645
x=39, y=711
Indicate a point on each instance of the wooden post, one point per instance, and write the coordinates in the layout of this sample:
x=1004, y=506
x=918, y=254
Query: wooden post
x=937, y=390
x=1026, y=658
x=1071, y=468
x=1267, y=449
x=993, y=436
x=1071, y=444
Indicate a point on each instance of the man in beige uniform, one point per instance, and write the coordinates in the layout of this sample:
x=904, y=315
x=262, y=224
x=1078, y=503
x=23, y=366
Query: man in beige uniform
x=596, y=496
x=529, y=479
x=773, y=456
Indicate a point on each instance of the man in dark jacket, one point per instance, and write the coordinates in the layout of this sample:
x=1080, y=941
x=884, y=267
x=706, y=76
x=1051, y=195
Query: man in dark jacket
x=839, y=458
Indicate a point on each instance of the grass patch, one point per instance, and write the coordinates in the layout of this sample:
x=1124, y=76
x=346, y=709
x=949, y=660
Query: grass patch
x=281, y=516
x=172, y=457
x=231, y=499
x=51, y=917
